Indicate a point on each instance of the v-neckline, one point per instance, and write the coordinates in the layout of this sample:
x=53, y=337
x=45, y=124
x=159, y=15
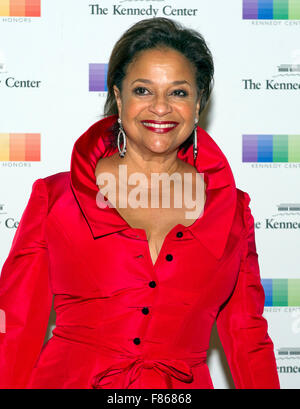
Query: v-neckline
x=211, y=230
x=179, y=225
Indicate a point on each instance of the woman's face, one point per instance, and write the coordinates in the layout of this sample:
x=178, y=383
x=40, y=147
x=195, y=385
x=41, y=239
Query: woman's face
x=159, y=103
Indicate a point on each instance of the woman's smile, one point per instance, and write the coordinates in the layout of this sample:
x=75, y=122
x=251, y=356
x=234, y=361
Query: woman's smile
x=159, y=126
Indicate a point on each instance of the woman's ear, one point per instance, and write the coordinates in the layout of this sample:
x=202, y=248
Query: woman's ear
x=118, y=99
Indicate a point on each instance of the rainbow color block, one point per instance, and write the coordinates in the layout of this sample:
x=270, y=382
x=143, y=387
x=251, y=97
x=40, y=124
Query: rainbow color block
x=271, y=148
x=20, y=8
x=20, y=147
x=98, y=77
x=282, y=292
x=271, y=9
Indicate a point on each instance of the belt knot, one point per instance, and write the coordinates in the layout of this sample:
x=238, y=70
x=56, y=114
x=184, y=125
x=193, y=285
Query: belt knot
x=130, y=369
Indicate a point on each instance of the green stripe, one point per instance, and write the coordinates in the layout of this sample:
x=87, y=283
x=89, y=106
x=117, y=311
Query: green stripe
x=280, y=9
x=294, y=9
x=280, y=292
x=294, y=148
x=280, y=148
x=294, y=292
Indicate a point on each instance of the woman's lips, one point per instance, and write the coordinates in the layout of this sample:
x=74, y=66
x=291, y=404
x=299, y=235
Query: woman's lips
x=159, y=126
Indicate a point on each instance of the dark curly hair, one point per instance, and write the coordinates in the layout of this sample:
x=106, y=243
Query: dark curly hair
x=157, y=33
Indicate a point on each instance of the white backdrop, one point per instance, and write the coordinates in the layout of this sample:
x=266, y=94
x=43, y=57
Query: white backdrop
x=44, y=89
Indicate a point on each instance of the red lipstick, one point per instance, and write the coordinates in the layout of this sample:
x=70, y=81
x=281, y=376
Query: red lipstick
x=159, y=126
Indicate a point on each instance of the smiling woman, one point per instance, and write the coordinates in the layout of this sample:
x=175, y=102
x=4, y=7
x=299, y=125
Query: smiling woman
x=138, y=288
x=161, y=34
x=158, y=89
x=159, y=93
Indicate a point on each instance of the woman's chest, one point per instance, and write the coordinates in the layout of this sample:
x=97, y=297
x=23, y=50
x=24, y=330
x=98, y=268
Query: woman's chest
x=156, y=223
x=121, y=264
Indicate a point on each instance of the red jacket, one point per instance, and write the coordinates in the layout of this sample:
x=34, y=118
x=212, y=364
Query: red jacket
x=122, y=322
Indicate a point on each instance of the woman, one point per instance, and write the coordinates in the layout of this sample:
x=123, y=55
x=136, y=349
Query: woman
x=138, y=289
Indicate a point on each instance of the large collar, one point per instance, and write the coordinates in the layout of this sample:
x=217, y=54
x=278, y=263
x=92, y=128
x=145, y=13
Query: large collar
x=212, y=229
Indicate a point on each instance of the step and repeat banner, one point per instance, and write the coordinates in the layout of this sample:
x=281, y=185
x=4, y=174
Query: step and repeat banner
x=53, y=65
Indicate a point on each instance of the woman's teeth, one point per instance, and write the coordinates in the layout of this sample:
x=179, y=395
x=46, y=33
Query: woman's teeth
x=159, y=125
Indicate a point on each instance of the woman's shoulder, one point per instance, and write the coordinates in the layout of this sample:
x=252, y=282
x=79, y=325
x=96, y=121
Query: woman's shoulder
x=52, y=185
x=243, y=197
x=243, y=207
x=57, y=179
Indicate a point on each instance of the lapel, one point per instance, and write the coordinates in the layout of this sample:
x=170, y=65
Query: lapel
x=212, y=229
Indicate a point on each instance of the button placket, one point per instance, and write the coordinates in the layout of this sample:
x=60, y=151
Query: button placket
x=152, y=284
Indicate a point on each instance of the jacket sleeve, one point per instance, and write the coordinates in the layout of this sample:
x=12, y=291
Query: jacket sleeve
x=242, y=329
x=25, y=295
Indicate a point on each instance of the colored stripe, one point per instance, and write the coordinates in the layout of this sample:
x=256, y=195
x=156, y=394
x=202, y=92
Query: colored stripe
x=280, y=148
x=4, y=7
x=271, y=148
x=268, y=289
x=271, y=9
x=250, y=9
x=294, y=292
x=33, y=8
x=265, y=9
x=17, y=8
x=280, y=292
x=294, y=9
x=33, y=147
x=249, y=148
x=4, y=147
x=20, y=147
x=294, y=148
x=17, y=147
x=281, y=9
x=20, y=8
x=98, y=77
x=265, y=148
x=106, y=72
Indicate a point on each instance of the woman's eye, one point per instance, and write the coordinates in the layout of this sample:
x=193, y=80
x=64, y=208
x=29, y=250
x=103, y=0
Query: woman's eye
x=180, y=93
x=141, y=91
x=145, y=91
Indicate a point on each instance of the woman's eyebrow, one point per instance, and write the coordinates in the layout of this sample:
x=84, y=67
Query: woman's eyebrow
x=144, y=80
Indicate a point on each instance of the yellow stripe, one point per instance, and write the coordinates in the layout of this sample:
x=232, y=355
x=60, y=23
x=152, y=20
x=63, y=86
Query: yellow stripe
x=4, y=8
x=4, y=147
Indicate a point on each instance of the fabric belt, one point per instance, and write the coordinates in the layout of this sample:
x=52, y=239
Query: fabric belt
x=129, y=371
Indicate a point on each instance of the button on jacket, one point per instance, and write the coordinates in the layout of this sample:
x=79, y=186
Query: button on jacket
x=122, y=322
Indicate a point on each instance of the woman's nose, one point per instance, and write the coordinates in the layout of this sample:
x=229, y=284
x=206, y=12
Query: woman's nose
x=160, y=106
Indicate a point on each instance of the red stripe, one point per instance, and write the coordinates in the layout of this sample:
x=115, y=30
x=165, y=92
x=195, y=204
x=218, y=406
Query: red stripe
x=33, y=147
x=33, y=8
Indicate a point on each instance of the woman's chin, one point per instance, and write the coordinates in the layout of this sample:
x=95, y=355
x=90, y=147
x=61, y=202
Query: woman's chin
x=158, y=144
x=158, y=149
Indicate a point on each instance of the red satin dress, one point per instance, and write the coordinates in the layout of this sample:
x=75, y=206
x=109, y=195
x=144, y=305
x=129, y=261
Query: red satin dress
x=122, y=322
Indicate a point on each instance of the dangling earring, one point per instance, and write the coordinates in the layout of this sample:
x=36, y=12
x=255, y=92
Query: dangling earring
x=121, y=132
x=195, y=139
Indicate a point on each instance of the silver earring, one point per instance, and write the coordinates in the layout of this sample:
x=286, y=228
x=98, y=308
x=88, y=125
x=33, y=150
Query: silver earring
x=121, y=132
x=195, y=139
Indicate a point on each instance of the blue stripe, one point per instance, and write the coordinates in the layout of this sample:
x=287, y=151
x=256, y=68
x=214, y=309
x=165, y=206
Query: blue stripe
x=105, y=81
x=267, y=284
x=265, y=148
x=265, y=9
